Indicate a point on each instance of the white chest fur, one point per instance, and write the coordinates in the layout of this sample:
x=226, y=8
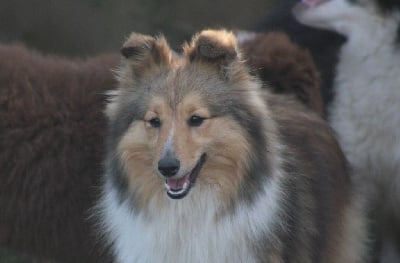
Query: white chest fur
x=366, y=109
x=188, y=230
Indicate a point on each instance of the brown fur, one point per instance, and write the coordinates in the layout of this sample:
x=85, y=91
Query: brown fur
x=315, y=141
x=51, y=141
x=288, y=68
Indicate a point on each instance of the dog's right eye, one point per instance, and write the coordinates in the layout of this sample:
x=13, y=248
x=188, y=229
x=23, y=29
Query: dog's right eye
x=155, y=122
x=195, y=121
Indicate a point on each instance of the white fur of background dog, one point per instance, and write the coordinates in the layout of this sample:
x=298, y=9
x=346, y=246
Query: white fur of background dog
x=365, y=111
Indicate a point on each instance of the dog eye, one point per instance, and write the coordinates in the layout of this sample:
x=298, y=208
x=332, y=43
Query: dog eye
x=195, y=121
x=155, y=122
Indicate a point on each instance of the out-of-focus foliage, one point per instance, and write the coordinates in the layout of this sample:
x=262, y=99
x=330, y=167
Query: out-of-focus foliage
x=84, y=27
x=8, y=257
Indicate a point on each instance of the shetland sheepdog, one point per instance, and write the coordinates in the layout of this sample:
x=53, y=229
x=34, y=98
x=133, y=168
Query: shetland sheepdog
x=365, y=111
x=204, y=165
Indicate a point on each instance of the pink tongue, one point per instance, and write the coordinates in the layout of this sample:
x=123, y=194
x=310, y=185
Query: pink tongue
x=176, y=184
x=311, y=2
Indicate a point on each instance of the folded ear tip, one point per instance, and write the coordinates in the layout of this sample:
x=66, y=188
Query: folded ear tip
x=217, y=33
x=214, y=44
x=221, y=38
x=136, y=44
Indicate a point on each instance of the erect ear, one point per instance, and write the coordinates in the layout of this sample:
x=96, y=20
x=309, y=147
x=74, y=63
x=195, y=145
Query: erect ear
x=217, y=47
x=144, y=53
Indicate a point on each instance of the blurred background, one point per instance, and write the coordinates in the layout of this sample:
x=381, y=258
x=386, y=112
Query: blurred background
x=87, y=27
x=83, y=28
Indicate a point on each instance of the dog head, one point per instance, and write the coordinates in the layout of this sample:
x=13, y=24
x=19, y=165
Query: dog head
x=177, y=121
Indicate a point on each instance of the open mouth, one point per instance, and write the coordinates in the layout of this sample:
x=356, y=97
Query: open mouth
x=179, y=188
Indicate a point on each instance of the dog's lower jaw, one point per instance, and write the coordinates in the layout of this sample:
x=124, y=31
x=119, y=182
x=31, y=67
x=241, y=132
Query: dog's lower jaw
x=179, y=193
x=189, y=181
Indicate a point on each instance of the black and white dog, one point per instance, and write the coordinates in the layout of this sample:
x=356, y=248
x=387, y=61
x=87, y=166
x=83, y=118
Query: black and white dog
x=365, y=110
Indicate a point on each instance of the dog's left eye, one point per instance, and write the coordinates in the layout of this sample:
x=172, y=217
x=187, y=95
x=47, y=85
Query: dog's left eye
x=195, y=121
x=155, y=122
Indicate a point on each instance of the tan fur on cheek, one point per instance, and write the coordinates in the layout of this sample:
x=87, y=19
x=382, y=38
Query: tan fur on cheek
x=227, y=158
x=137, y=156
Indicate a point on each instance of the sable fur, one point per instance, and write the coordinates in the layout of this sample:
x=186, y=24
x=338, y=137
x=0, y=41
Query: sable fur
x=274, y=186
x=51, y=141
x=288, y=68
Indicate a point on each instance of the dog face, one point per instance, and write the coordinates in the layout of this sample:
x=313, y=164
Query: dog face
x=180, y=121
x=345, y=16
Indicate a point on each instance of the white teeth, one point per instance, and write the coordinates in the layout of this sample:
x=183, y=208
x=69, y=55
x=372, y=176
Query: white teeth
x=181, y=191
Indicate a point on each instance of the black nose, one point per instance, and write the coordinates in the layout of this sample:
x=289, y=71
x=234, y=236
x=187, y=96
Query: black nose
x=168, y=166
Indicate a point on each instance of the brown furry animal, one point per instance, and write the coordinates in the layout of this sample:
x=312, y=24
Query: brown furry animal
x=288, y=68
x=51, y=141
